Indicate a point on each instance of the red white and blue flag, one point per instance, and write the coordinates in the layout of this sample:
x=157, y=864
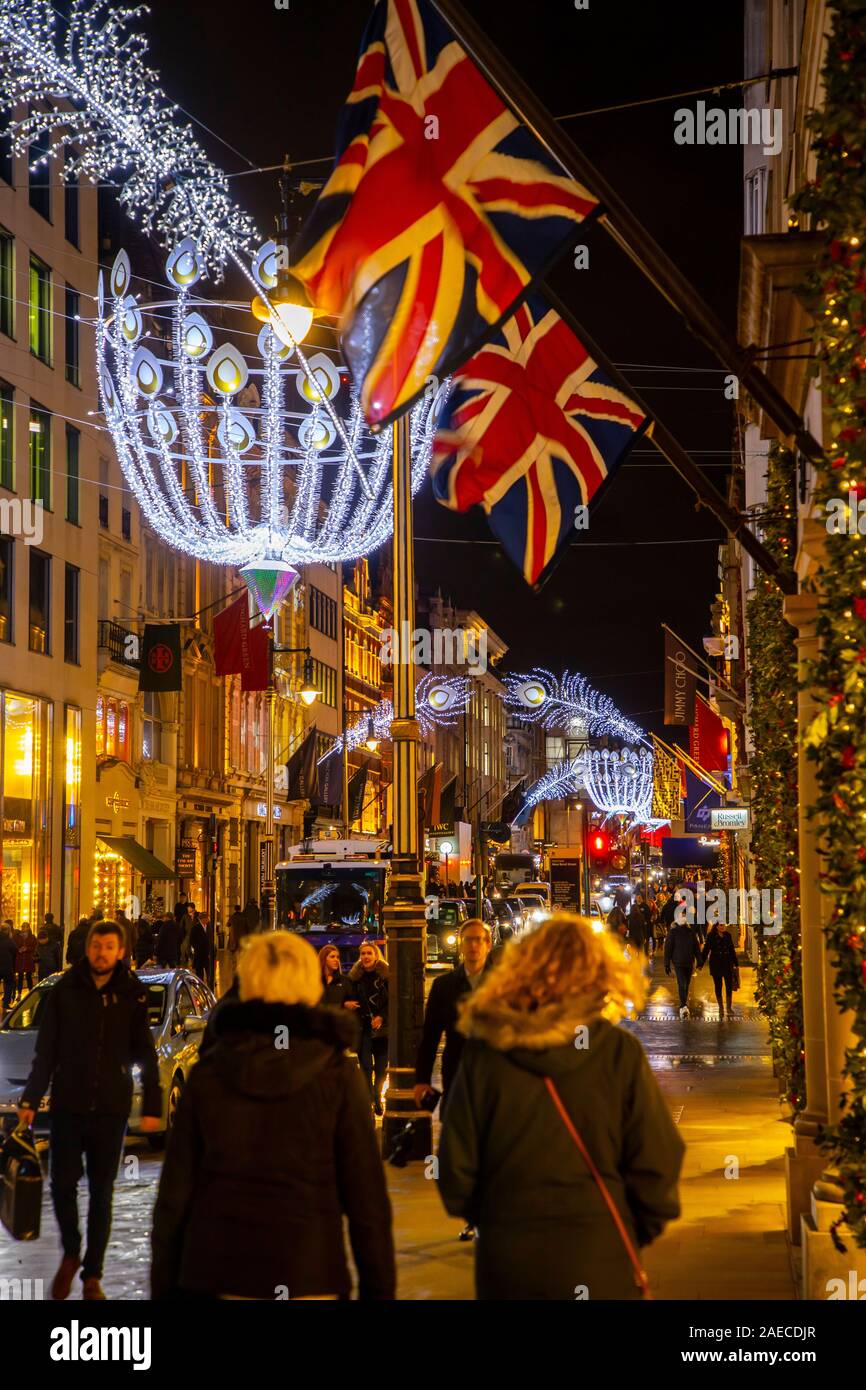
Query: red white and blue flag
x=440, y=212
x=531, y=430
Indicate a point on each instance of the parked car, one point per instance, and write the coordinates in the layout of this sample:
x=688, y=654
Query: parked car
x=178, y=1005
x=443, y=931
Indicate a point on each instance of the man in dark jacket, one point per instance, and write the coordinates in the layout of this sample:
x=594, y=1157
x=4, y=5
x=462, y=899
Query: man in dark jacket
x=93, y=1030
x=7, y=965
x=237, y=928
x=76, y=945
x=252, y=915
x=171, y=932
x=636, y=928
x=683, y=952
x=440, y=1015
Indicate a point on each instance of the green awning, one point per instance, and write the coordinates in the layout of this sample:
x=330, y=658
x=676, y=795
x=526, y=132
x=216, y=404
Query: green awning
x=135, y=854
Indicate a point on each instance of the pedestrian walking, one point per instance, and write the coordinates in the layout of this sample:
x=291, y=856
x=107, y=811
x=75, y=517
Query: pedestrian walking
x=76, y=945
x=48, y=960
x=617, y=923
x=683, y=952
x=25, y=958
x=180, y=907
x=145, y=945
x=199, y=947
x=440, y=1018
x=541, y=1050
x=93, y=1030
x=337, y=991
x=237, y=930
x=168, y=941
x=721, y=953
x=636, y=929
x=271, y=1147
x=369, y=978
x=253, y=915
x=7, y=965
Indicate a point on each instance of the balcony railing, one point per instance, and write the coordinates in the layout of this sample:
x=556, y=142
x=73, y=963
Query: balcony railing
x=121, y=644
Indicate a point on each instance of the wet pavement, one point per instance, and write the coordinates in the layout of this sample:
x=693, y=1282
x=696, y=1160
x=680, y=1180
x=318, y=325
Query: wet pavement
x=730, y=1242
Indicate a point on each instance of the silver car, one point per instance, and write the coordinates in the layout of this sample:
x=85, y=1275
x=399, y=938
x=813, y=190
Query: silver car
x=178, y=1005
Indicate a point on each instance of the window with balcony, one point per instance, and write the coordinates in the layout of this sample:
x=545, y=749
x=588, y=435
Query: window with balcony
x=72, y=325
x=40, y=455
x=7, y=283
x=40, y=310
x=40, y=602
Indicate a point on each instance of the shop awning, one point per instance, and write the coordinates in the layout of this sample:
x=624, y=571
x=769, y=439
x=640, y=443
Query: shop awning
x=135, y=854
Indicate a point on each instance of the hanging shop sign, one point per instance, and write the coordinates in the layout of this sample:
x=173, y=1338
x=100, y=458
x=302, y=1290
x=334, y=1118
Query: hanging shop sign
x=729, y=818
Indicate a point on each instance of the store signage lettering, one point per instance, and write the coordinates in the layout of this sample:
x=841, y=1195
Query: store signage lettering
x=729, y=818
x=115, y=802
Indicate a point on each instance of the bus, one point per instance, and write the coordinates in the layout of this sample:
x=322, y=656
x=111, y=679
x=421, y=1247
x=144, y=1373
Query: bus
x=332, y=892
x=510, y=870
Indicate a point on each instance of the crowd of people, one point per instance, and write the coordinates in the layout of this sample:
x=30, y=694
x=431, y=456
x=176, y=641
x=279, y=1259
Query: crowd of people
x=275, y=1142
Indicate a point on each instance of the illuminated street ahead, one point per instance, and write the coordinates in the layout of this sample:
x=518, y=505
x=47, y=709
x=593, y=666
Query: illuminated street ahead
x=729, y=1244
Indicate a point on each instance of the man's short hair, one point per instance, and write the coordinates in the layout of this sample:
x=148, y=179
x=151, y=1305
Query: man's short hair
x=476, y=922
x=106, y=928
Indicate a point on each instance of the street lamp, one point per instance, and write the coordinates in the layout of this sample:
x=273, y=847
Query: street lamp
x=447, y=849
x=371, y=742
x=308, y=694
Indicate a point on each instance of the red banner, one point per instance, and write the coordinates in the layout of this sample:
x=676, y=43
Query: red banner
x=708, y=738
x=231, y=631
x=255, y=673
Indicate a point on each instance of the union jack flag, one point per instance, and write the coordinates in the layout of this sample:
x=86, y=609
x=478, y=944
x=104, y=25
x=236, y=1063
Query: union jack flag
x=531, y=430
x=439, y=213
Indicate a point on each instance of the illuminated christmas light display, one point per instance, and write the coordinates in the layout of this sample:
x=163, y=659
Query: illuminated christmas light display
x=560, y=781
x=569, y=703
x=620, y=784
x=439, y=702
x=231, y=462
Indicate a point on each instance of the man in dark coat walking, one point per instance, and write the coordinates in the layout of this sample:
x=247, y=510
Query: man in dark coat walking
x=171, y=932
x=77, y=943
x=440, y=1015
x=683, y=952
x=94, y=1029
x=7, y=965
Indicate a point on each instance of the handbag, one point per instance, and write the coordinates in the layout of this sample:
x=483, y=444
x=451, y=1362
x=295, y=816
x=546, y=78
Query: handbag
x=21, y=1198
x=735, y=979
x=640, y=1274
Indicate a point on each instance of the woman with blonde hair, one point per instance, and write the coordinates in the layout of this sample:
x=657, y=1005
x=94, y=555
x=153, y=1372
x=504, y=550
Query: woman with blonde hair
x=557, y=1143
x=272, y=1145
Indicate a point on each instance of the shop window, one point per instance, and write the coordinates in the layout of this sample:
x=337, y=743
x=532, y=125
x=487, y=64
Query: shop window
x=25, y=761
x=73, y=484
x=112, y=728
x=71, y=595
x=100, y=726
x=151, y=729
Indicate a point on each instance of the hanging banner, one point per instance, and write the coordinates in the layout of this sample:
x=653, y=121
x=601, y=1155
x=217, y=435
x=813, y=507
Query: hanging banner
x=302, y=782
x=666, y=784
x=710, y=744
x=701, y=801
x=161, y=666
x=680, y=682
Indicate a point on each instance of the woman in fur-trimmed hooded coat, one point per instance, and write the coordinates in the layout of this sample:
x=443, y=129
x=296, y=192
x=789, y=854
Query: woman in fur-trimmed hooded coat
x=507, y=1164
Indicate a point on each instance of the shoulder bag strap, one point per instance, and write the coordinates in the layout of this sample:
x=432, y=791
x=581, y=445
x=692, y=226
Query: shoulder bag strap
x=640, y=1275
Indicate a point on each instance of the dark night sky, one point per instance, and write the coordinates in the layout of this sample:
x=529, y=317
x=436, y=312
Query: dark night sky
x=270, y=81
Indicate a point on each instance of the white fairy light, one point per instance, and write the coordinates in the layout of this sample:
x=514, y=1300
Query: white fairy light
x=558, y=782
x=620, y=783
x=439, y=702
x=567, y=702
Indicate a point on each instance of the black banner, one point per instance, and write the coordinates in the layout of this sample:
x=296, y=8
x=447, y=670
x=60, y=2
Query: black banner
x=161, y=667
x=680, y=682
x=302, y=773
x=357, y=787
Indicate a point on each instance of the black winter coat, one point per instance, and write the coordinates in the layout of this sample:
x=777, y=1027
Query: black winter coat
x=335, y=994
x=77, y=943
x=89, y=1040
x=371, y=991
x=200, y=949
x=508, y=1165
x=170, y=936
x=636, y=928
x=144, y=946
x=440, y=1016
x=7, y=956
x=720, y=951
x=270, y=1148
x=681, y=947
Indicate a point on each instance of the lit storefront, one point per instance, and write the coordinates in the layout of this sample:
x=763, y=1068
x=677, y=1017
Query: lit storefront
x=25, y=806
x=71, y=866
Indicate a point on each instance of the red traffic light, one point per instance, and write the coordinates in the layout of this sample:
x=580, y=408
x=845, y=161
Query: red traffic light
x=599, y=844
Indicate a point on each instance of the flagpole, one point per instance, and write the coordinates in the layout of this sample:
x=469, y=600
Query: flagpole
x=733, y=521
x=719, y=680
x=625, y=229
x=405, y=925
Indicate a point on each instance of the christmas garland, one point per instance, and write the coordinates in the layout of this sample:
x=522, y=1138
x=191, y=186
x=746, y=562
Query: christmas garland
x=773, y=774
x=836, y=739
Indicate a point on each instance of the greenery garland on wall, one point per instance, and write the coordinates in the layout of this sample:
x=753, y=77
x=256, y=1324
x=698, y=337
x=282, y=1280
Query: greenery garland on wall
x=773, y=776
x=836, y=739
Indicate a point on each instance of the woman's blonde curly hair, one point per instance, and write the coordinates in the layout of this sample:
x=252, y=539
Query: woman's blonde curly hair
x=566, y=963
